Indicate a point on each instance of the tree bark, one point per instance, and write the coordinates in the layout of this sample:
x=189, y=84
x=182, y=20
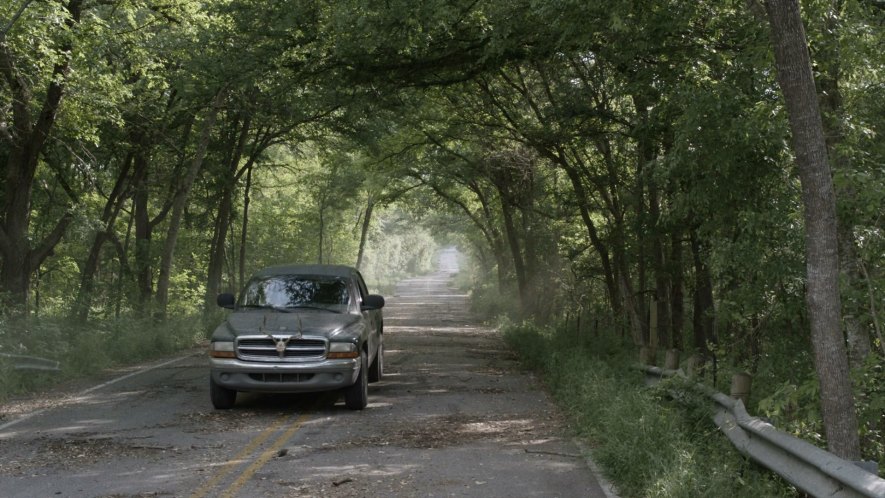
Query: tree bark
x=245, y=229
x=493, y=235
x=593, y=234
x=143, y=233
x=162, y=295
x=703, y=317
x=645, y=154
x=662, y=277
x=322, y=219
x=28, y=139
x=112, y=207
x=364, y=230
x=833, y=114
x=794, y=74
x=222, y=220
x=677, y=308
x=515, y=251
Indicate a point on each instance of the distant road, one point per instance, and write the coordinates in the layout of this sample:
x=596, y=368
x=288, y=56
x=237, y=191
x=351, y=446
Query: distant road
x=453, y=417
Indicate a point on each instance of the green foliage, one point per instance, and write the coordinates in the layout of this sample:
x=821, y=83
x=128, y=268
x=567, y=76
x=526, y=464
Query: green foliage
x=489, y=302
x=397, y=249
x=795, y=409
x=869, y=384
x=85, y=350
x=793, y=406
x=577, y=152
x=645, y=443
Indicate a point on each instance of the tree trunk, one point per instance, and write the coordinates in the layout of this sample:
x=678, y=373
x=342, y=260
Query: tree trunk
x=222, y=221
x=178, y=203
x=515, y=251
x=645, y=154
x=322, y=220
x=124, y=256
x=19, y=259
x=662, y=287
x=217, y=249
x=143, y=233
x=703, y=317
x=608, y=190
x=593, y=234
x=795, y=77
x=677, y=307
x=495, y=240
x=244, y=234
x=364, y=231
x=833, y=114
x=629, y=298
x=112, y=208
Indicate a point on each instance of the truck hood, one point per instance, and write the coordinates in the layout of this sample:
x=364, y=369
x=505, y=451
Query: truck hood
x=316, y=323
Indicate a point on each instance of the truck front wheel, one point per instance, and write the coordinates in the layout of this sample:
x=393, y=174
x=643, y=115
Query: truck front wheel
x=356, y=397
x=222, y=397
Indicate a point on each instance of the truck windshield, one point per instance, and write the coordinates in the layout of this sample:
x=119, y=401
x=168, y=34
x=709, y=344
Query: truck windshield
x=296, y=291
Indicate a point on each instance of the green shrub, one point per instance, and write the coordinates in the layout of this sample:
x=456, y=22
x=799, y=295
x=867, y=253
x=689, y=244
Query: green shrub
x=646, y=444
x=869, y=382
x=87, y=349
x=487, y=302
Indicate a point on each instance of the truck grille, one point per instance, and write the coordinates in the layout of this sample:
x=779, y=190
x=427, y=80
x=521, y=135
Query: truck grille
x=275, y=377
x=263, y=348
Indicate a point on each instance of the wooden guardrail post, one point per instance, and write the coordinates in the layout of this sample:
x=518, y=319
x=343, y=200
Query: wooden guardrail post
x=694, y=367
x=647, y=356
x=809, y=468
x=671, y=362
x=740, y=386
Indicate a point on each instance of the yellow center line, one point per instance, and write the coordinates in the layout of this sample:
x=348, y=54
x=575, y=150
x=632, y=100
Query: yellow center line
x=267, y=455
x=231, y=464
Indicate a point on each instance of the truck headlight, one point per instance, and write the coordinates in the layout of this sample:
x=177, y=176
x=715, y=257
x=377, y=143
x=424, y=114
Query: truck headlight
x=342, y=350
x=221, y=349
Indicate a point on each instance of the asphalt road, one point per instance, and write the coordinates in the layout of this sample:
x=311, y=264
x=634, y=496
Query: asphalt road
x=454, y=416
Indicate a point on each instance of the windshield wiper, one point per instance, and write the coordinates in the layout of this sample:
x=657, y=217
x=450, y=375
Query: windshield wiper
x=312, y=307
x=288, y=309
x=281, y=309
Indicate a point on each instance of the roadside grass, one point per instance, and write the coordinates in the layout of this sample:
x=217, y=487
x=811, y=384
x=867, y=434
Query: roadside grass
x=84, y=350
x=646, y=444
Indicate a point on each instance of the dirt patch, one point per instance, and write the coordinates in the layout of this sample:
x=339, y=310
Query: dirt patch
x=79, y=452
x=448, y=430
x=218, y=421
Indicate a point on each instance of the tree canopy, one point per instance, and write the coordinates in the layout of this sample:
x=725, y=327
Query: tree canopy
x=633, y=161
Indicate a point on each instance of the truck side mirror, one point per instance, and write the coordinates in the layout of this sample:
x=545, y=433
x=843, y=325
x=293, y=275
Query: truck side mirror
x=373, y=302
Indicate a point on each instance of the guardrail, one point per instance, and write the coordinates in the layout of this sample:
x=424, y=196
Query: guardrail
x=24, y=362
x=809, y=468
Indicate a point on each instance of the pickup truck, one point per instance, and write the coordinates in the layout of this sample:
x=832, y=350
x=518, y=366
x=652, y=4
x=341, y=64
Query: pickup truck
x=298, y=328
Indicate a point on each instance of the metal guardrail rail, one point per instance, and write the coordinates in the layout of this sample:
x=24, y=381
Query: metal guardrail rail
x=811, y=469
x=24, y=362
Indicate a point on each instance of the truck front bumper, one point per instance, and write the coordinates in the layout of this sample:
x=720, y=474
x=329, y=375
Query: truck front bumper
x=251, y=376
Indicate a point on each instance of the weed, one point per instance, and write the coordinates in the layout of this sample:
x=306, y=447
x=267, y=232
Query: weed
x=646, y=443
x=83, y=350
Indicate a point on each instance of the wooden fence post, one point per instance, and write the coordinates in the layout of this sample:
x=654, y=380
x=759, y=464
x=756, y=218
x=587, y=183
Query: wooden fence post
x=740, y=386
x=671, y=362
x=647, y=355
x=694, y=367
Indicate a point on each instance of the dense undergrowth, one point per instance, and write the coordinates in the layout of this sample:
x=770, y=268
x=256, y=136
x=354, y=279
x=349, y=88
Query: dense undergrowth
x=645, y=443
x=83, y=350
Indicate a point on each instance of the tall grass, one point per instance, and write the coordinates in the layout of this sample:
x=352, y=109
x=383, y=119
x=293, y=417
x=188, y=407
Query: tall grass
x=645, y=443
x=85, y=349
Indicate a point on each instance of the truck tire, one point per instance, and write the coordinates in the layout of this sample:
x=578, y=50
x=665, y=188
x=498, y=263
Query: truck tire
x=376, y=371
x=356, y=397
x=222, y=397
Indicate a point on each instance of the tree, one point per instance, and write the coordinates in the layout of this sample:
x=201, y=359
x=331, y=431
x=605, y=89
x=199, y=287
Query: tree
x=25, y=141
x=793, y=65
